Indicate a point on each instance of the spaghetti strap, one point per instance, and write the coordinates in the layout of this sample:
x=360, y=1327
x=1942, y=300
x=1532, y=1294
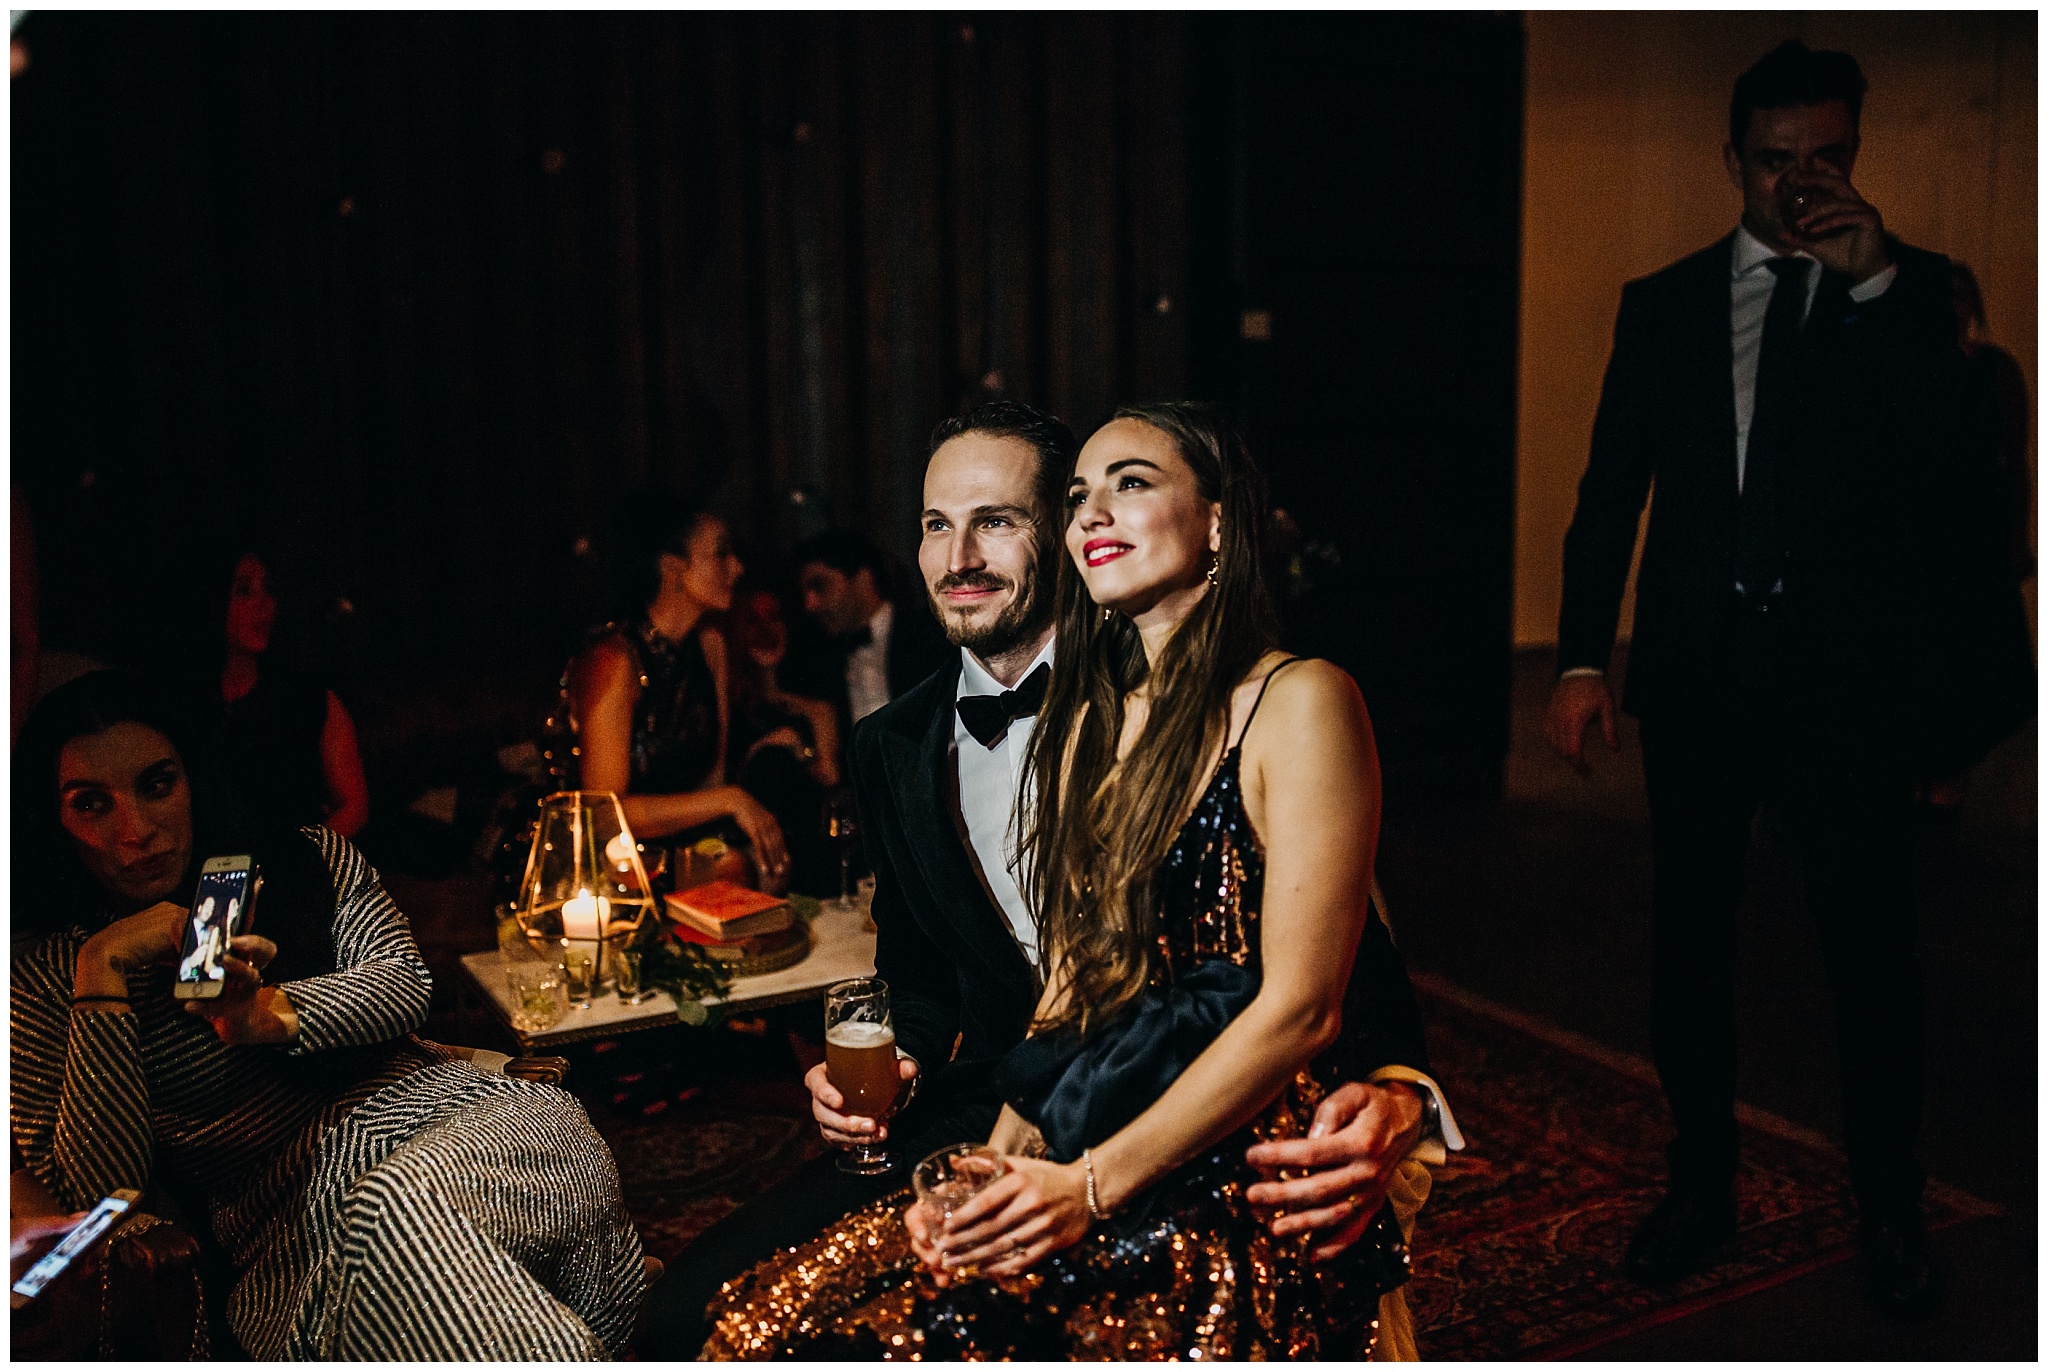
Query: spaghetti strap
x=1263, y=687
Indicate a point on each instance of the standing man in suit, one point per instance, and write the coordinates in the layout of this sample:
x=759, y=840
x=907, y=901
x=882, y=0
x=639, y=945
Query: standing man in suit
x=885, y=648
x=1803, y=630
x=936, y=772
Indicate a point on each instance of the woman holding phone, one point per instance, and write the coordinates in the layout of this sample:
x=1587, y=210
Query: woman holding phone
x=377, y=1196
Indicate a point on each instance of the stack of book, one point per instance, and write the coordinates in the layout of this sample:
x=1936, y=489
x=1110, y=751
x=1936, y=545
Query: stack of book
x=732, y=922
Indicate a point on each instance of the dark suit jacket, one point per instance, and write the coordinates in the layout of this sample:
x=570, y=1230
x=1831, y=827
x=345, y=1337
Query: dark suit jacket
x=1890, y=592
x=954, y=970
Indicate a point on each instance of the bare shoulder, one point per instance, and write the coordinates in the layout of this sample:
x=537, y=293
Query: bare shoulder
x=605, y=666
x=1312, y=713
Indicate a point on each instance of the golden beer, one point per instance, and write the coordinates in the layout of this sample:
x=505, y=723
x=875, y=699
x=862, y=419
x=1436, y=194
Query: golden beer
x=860, y=1059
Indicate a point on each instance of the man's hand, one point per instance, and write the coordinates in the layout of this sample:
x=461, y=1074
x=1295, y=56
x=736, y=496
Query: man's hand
x=247, y=1011
x=1359, y=1137
x=826, y=1102
x=1841, y=229
x=1575, y=703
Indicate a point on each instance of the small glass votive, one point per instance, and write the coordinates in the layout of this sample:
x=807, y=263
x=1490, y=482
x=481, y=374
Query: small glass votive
x=579, y=963
x=628, y=968
x=540, y=996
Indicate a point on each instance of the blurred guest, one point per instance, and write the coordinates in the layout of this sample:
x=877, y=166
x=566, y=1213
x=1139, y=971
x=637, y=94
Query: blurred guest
x=765, y=715
x=648, y=702
x=1998, y=395
x=377, y=1196
x=785, y=747
x=287, y=741
x=882, y=649
x=1809, y=629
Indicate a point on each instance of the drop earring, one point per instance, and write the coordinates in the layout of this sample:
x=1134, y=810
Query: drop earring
x=1215, y=562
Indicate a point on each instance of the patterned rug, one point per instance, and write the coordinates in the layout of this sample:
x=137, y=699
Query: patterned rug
x=1518, y=1252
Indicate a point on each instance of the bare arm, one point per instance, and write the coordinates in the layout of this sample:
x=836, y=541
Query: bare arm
x=341, y=765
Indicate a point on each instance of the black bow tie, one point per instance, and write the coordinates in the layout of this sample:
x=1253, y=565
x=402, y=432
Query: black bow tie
x=986, y=717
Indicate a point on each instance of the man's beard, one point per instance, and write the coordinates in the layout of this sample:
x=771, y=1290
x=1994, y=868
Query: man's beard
x=1018, y=623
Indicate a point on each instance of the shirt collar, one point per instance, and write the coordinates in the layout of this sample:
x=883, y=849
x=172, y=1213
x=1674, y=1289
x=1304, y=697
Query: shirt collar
x=976, y=680
x=1752, y=252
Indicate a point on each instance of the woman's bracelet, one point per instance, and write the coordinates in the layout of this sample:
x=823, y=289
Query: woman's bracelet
x=1088, y=1163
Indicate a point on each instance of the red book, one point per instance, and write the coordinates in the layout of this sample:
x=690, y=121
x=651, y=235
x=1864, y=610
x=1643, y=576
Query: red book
x=727, y=913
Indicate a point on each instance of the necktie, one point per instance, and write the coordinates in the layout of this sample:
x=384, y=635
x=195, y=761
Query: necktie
x=986, y=717
x=1759, y=543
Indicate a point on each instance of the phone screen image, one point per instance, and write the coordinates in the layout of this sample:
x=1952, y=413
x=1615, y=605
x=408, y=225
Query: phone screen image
x=218, y=907
x=77, y=1241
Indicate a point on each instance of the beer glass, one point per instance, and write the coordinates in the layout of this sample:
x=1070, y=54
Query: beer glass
x=860, y=1062
x=950, y=1178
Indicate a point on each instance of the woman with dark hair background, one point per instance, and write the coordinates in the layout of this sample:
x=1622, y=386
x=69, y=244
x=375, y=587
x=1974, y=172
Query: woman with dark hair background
x=1200, y=865
x=286, y=741
x=648, y=700
x=377, y=1196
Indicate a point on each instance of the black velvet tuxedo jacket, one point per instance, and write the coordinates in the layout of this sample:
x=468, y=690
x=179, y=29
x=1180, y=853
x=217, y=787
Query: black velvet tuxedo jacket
x=960, y=989
x=1886, y=484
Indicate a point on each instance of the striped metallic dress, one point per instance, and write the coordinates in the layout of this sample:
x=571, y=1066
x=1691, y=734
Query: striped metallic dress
x=378, y=1197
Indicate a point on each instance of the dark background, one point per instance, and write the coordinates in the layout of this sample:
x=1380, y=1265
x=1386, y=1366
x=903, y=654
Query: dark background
x=425, y=296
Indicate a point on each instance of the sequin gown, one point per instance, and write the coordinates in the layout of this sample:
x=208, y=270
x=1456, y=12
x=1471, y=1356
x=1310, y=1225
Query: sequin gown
x=1187, y=1272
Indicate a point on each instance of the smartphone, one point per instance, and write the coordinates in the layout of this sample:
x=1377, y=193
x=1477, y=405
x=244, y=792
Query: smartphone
x=90, y=1231
x=223, y=905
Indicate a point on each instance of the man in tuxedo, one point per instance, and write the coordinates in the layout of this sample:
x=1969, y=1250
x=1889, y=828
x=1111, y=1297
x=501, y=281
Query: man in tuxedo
x=936, y=773
x=1806, y=629
x=879, y=649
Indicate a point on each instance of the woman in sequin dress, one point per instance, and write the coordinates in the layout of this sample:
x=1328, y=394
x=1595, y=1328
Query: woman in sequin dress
x=1201, y=864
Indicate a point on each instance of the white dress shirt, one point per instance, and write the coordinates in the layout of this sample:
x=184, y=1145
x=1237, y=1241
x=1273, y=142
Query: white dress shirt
x=867, y=667
x=989, y=781
x=990, y=778
x=1749, y=299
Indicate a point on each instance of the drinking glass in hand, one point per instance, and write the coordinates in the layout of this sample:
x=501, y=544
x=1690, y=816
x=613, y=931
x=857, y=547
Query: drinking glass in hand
x=950, y=1178
x=860, y=1062
x=842, y=830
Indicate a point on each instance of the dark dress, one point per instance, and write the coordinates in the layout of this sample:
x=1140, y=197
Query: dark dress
x=675, y=721
x=1186, y=1272
x=270, y=745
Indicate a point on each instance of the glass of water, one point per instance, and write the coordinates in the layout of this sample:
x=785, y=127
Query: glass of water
x=540, y=995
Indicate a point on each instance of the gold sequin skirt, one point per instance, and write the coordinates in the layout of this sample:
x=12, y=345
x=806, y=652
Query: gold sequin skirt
x=1190, y=1274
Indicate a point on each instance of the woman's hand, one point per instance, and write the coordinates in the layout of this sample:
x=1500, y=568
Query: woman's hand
x=246, y=1011
x=129, y=945
x=1037, y=1209
x=763, y=833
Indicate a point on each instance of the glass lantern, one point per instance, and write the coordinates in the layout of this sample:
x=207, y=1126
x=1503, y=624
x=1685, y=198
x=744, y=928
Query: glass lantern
x=585, y=893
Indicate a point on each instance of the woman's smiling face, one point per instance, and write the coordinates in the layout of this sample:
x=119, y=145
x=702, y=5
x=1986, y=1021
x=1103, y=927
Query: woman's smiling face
x=1138, y=527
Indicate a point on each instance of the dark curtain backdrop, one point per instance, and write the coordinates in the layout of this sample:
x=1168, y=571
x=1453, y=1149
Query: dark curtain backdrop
x=427, y=296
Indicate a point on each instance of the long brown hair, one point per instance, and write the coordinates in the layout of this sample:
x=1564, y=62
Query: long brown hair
x=1098, y=829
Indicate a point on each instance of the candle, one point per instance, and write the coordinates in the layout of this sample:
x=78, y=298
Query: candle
x=619, y=852
x=584, y=916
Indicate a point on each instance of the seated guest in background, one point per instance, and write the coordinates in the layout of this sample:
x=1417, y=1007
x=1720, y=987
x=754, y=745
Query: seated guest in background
x=764, y=714
x=785, y=747
x=377, y=1196
x=887, y=648
x=648, y=702
x=286, y=740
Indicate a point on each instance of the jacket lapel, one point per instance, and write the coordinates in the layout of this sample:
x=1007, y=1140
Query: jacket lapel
x=966, y=919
